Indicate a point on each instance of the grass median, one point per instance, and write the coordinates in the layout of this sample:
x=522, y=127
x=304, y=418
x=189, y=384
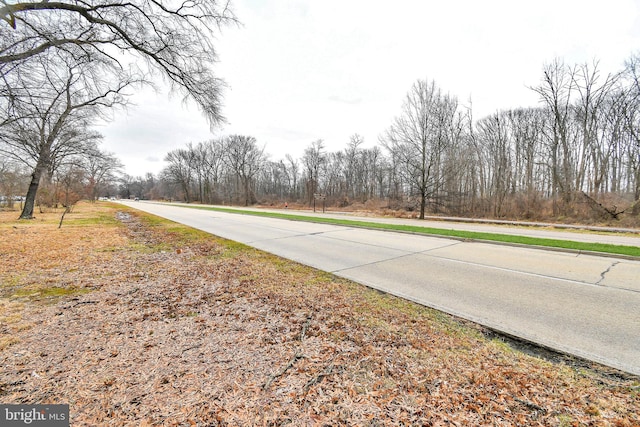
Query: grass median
x=595, y=248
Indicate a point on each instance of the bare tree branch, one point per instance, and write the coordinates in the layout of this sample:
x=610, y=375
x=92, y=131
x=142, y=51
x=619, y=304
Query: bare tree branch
x=173, y=41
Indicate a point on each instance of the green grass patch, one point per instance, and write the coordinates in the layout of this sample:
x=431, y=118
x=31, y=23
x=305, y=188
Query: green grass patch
x=231, y=249
x=186, y=235
x=52, y=292
x=102, y=219
x=631, y=251
x=150, y=220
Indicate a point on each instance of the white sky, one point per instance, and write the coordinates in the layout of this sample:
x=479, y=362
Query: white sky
x=302, y=70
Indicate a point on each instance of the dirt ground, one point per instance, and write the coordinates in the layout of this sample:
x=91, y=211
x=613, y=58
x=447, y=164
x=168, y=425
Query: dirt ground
x=132, y=320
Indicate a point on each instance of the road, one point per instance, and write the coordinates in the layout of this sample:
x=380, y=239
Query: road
x=584, y=305
x=570, y=233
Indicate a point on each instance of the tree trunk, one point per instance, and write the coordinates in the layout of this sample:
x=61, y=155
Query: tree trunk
x=29, y=203
x=245, y=184
x=636, y=206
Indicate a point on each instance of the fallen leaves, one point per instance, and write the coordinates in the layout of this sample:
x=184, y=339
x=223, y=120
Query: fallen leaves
x=185, y=330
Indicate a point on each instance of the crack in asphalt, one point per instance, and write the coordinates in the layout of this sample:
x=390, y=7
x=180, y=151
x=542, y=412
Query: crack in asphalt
x=604, y=273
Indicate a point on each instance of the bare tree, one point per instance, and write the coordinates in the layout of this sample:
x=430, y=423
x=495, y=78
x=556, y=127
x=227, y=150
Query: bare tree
x=244, y=159
x=419, y=138
x=495, y=137
x=172, y=39
x=352, y=153
x=313, y=159
x=590, y=115
x=180, y=170
x=556, y=92
x=59, y=96
x=293, y=170
x=334, y=183
x=69, y=184
x=213, y=157
x=100, y=169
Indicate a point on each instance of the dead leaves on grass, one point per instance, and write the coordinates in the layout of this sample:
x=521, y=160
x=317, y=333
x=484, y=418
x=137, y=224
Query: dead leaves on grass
x=186, y=334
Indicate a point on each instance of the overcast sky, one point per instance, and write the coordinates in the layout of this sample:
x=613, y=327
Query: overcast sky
x=302, y=70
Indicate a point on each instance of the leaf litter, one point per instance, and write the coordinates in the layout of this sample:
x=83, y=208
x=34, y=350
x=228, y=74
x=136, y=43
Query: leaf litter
x=163, y=327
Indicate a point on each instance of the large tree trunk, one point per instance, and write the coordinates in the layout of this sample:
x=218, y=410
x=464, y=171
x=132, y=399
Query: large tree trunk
x=29, y=203
x=247, y=191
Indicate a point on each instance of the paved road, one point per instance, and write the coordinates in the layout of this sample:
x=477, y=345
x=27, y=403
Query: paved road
x=549, y=232
x=581, y=304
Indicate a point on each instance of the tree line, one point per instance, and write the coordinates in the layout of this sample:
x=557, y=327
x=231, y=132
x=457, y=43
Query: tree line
x=578, y=153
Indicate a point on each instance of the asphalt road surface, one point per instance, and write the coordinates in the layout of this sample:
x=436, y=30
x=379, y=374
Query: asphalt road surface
x=584, y=305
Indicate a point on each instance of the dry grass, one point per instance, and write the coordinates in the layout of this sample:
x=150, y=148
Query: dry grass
x=135, y=321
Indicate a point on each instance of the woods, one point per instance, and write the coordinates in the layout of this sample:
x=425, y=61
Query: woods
x=576, y=156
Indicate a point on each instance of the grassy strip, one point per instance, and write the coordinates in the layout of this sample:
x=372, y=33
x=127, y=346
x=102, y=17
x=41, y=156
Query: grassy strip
x=631, y=251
